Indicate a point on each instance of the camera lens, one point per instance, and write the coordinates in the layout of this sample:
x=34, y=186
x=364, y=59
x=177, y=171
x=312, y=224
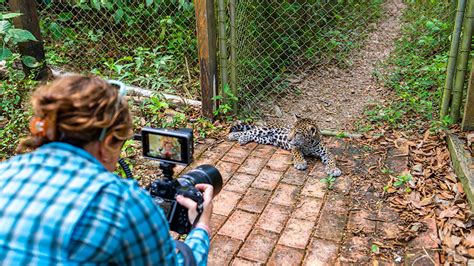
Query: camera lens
x=206, y=174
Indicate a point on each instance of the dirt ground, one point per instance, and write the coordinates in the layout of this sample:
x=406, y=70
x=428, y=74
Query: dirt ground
x=337, y=96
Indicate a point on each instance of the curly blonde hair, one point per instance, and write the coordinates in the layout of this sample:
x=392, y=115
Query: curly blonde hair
x=75, y=109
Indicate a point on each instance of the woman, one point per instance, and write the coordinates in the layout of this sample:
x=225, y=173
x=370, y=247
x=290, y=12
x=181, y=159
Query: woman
x=60, y=203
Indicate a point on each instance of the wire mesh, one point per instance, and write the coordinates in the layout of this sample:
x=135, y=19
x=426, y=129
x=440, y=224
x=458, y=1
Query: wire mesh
x=151, y=44
x=279, y=40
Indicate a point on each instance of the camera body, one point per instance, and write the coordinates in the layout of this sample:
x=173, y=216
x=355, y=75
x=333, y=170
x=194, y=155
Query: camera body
x=173, y=147
x=164, y=194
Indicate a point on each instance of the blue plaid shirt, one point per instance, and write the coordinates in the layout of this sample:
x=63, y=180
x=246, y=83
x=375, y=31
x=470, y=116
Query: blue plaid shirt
x=59, y=205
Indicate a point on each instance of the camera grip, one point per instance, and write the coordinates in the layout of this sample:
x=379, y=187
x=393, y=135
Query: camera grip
x=196, y=196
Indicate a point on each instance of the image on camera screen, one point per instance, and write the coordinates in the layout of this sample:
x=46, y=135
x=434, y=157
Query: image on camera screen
x=164, y=147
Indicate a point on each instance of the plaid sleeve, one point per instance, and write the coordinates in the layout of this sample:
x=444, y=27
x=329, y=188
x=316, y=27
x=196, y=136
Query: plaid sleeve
x=126, y=227
x=152, y=233
x=146, y=238
x=148, y=234
x=198, y=240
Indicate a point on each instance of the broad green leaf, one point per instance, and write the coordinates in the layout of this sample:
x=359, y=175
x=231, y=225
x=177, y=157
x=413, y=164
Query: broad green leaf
x=65, y=16
x=118, y=15
x=4, y=26
x=20, y=35
x=149, y=2
x=9, y=15
x=30, y=61
x=96, y=4
x=5, y=53
x=55, y=30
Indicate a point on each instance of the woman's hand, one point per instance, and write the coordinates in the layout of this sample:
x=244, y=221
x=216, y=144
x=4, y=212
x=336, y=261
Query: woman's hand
x=207, y=192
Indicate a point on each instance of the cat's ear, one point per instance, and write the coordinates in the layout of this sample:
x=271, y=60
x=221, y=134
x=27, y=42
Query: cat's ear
x=296, y=117
x=314, y=131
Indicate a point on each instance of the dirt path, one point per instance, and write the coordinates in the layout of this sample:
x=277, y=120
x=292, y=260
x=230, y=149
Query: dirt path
x=336, y=96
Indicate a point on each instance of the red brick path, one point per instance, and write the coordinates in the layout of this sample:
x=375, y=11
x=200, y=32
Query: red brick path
x=270, y=213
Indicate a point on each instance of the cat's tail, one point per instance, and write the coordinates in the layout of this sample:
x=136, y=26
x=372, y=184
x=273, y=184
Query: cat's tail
x=241, y=127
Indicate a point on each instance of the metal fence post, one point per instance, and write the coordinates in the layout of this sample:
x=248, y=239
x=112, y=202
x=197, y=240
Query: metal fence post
x=29, y=21
x=233, y=58
x=206, y=34
x=468, y=116
x=222, y=47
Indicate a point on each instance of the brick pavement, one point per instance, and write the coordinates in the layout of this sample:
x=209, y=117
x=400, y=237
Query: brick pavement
x=270, y=213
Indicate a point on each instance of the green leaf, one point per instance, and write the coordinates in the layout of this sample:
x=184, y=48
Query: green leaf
x=96, y=4
x=9, y=15
x=375, y=248
x=5, y=53
x=65, y=16
x=398, y=183
x=30, y=61
x=4, y=26
x=118, y=15
x=149, y=2
x=55, y=30
x=20, y=35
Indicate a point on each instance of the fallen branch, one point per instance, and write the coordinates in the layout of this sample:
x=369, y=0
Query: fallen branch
x=137, y=91
x=341, y=134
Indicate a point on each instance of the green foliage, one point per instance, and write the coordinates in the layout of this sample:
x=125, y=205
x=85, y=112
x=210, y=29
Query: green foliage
x=14, y=112
x=375, y=249
x=440, y=125
x=149, y=44
x=340, y=135
x=11, y=36
x=417, y=67
x=148, y=68
x=403, y=179
x=329, y=181
x=225, y=107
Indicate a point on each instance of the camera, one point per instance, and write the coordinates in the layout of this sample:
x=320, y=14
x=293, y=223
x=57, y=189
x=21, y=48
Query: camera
x=173, y=147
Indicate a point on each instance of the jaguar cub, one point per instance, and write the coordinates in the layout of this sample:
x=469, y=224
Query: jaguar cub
x=302, y=138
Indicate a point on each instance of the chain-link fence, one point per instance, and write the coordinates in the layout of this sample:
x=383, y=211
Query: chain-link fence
x=151, y=44
x=269, y=44
x=277, y=42
x=280, y=39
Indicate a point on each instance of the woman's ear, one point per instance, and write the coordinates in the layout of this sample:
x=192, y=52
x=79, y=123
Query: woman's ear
x=106, y=147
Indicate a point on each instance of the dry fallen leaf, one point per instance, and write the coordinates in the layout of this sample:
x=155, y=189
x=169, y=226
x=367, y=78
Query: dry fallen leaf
x=450, y=212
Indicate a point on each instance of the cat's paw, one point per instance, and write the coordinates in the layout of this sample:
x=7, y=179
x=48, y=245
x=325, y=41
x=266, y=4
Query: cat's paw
x=335, y=172
x=300, y=165
x=233, y=136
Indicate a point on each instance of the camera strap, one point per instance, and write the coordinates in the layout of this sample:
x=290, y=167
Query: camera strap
x=196, y=221
x=187, y=253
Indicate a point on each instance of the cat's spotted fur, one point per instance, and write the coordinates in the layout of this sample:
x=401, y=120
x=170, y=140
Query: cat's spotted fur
x=302, y=138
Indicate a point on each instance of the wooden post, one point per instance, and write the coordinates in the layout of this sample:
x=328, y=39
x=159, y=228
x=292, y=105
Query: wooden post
x=29, y=21
x=206, y=34
x=468, y=116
